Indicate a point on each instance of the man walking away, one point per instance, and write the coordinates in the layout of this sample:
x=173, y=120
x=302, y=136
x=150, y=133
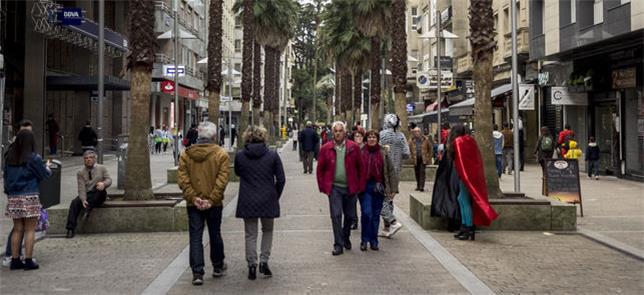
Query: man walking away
x=233, y=135
x=309, y=139
x=421, y=149
x=339, y=176
x=88, y=137
x=93, y=180
x=508, y=148
x=203, y=176
x=498, y=149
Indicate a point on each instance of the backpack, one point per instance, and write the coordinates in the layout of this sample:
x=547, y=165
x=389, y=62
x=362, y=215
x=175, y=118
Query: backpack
x=546, y=144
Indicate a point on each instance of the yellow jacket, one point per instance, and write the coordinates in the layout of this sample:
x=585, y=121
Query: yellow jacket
x=203, y=173
x=573, y=152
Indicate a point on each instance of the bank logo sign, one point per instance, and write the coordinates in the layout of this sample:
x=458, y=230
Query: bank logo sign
x=70, y=16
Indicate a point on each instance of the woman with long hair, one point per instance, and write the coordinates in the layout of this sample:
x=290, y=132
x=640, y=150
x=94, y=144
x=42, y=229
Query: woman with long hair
x=23, y=171
x=261, y=183
x=465, y=180
x=380, y=181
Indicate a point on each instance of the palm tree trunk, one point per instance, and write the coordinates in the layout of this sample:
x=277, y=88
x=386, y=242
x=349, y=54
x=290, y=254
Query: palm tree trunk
x=374, y=83
x=399, y=61
x=483, y=44
x=138, y=184
x=213, y=106
x=215, y=34
x=247, y=67
x=257, y=83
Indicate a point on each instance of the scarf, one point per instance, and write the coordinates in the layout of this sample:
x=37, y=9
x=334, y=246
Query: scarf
x=374, y=163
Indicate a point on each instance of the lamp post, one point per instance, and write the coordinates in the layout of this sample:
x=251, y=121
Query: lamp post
x=101, y=82
x=515, y=98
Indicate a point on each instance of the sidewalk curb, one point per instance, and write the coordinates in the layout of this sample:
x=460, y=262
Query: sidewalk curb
x=611, y=243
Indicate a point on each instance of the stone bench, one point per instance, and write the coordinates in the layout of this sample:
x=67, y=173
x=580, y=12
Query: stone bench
x=407, y=173
x=515, y=213
x=117, y=215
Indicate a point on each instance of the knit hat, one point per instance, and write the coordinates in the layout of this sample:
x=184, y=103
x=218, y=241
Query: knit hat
x=391, y=121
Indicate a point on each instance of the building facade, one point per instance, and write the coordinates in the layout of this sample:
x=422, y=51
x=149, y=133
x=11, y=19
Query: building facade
x=589, y=54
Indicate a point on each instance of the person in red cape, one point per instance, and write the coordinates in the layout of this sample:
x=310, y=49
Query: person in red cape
x=472, y=196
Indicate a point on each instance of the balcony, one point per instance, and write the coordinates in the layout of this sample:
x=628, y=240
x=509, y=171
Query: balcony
x=523, y=43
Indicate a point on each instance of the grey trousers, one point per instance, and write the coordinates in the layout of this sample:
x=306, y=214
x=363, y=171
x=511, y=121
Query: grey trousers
x=341, y=204
x=250, y=227
x=308, y=161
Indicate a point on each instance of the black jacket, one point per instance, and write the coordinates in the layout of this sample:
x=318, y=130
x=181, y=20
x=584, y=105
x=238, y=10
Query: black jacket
x=88, y=137
x=592, y=152
x=192, y=136
x=309, y=140
x=446, y=190
x=261, y=182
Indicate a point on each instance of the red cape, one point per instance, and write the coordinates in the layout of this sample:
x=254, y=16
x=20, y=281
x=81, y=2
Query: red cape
x=469, y=165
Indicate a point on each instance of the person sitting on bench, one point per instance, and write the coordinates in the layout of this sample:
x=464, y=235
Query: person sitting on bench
x=93, y=181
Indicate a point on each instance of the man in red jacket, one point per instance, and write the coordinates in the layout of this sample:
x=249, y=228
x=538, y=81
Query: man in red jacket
x=339, y=177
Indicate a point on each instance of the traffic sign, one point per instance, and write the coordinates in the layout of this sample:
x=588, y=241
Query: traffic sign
x=168, y=70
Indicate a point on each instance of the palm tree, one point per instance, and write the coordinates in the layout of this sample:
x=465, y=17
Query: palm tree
x=357, y=95
x=138, y=184
x=247, y=65
x=399, y=59
x=372, y=18
x=215, y=33
x=483, y=46
x=257, y=82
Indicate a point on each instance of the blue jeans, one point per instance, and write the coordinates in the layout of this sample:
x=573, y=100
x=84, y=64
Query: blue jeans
x=465, y=205
x=499, y=164
x=593, y=168
x=370, y=207
x=197, y=219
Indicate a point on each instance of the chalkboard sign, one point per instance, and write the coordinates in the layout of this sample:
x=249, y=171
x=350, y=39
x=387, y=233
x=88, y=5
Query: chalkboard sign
x=562, y=181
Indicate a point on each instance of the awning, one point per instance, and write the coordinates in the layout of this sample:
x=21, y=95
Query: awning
x=85, y=83
x=429, y=116
x=463, y=108
x=434, y=106
x=501, y=89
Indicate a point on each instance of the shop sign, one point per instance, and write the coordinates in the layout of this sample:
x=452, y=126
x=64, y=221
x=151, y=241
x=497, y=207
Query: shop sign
x=469, y=89
x=526, y=97
x=167, y=87
x=562, y=96
x=624, y=78
x=446, y=62
x=169, y=70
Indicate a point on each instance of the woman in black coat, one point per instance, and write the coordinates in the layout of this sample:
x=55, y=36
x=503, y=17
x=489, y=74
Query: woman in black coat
x=261, y=182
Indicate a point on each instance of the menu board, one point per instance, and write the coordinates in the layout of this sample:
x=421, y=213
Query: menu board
x=562, y=180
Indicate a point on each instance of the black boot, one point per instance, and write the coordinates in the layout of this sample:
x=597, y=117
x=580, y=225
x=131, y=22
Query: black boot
x=16, y=263
x=263, y=268
x=252, y=272
x=460, y=232
x=469, y=234
x=30, y=264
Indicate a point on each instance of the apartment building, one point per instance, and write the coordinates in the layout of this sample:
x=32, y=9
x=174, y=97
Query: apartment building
x=590, y=74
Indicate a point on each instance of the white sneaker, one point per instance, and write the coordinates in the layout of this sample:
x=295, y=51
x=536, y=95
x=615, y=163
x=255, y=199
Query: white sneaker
x=394, y=228
x=383, y=234
x=6, y=261
x=596, y=177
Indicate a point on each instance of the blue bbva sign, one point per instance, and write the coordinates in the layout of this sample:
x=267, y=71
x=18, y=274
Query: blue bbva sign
x=70, y=16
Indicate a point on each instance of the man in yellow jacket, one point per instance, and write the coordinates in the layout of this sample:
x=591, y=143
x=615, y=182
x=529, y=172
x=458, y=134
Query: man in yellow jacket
x=203, y=176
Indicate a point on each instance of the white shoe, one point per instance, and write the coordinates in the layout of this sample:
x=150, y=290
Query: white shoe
x=383, y=234
x=394, y=228
x=6, y=261
x=596, y=177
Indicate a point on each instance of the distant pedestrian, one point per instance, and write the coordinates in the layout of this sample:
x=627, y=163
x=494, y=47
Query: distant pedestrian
x=191, y=136
x=233, y=135
x=310, y=141
x=380, y=181
x=151, y=143
x=498, y=149
x=508, y=148
x=294, y=137
x=92, y=180
x=421, y=149
x=203, y=176
x=340, y=177
x=158, y=139
x=53, y=133
x=166, y=137
x=88, y=137
x=222, y=135
x=592, y=158
x=573, y=152
x=465, y=157
x=261, y=183
x=545, y=146
x=398, y=151
x=23, y=170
